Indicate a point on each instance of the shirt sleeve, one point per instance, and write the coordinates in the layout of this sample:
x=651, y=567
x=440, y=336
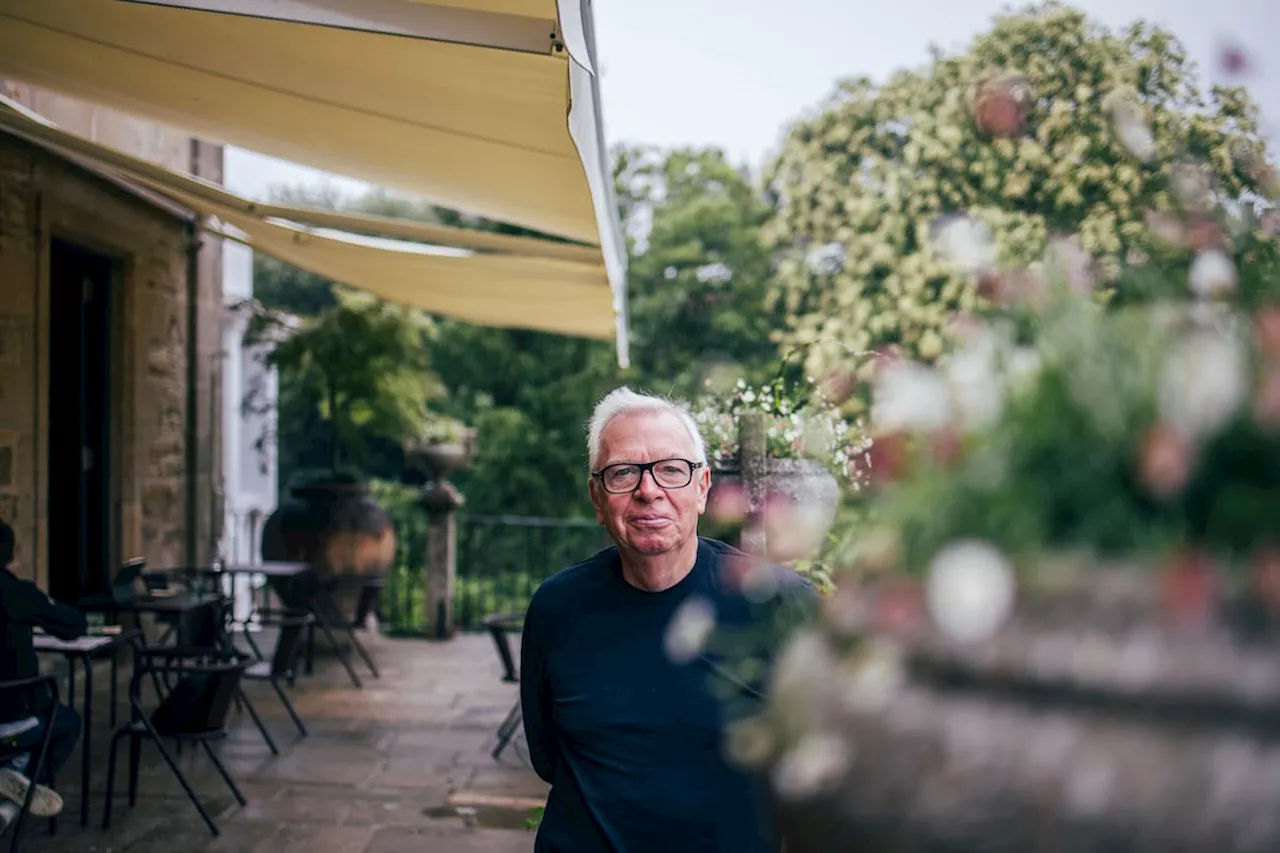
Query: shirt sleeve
x=535, y=695
x=27, y=605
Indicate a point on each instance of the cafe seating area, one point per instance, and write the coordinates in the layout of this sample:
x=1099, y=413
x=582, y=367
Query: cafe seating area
x=231, y=720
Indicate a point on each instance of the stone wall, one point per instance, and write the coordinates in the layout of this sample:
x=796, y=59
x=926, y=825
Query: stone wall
x=162, y=456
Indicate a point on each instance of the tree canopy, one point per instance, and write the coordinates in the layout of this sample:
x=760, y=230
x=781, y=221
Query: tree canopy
x=698, y=287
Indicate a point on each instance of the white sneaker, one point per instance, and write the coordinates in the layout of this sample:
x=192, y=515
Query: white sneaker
x=14, y=786
x=8, y=812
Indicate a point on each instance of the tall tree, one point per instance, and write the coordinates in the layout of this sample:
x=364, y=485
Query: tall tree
x=698, y=282
x=899, y=199
x=699, y=271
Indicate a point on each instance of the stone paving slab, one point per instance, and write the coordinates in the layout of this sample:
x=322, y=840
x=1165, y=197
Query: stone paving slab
x=375, y=775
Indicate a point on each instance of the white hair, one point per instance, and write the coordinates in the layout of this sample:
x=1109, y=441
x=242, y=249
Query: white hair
x=622, y=401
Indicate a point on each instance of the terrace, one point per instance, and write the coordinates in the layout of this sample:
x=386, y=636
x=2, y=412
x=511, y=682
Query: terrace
x=402, y=764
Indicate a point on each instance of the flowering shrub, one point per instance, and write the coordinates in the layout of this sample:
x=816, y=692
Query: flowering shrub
x=801, y=422
x=1149, y=430
x=1047, y=123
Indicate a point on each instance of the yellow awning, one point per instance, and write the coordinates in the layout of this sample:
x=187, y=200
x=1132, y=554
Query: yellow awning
x=516, y=283
x=490, y=107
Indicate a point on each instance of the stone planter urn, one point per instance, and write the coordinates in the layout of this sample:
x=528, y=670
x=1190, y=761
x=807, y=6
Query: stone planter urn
x=1094, y=720
x=337, y=526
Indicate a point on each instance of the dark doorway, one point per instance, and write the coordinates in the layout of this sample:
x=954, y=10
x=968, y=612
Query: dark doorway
x=79, y=421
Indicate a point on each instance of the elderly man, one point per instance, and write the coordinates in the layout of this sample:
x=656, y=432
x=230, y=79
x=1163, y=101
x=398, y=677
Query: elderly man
x=628, y=734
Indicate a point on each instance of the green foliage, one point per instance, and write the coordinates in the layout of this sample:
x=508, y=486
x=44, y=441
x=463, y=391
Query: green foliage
x=361, y=362
x=1047, y=125
x=699, y=272
x=529, y=394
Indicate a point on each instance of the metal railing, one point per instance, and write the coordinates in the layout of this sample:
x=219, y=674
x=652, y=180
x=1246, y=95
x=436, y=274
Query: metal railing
x=501, y=561
x=503, y=558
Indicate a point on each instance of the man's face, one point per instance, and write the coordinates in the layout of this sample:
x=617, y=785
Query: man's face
x=649, y=520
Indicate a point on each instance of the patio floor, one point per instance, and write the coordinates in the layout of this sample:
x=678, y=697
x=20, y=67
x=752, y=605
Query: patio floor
x=383, y=771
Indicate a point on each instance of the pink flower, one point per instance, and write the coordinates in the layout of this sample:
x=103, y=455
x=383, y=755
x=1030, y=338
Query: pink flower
x=1164, y=462
x=1190, y=587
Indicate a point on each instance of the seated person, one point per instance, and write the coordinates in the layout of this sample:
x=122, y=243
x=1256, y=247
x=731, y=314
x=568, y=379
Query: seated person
x=23, y=606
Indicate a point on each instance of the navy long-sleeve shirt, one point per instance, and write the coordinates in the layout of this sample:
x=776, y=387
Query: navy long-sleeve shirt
x=24, y=606
x=630, y=740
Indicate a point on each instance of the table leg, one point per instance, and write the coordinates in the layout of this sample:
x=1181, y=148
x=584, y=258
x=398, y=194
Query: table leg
x=71, y=683
x=115, y=677
x=86, y=745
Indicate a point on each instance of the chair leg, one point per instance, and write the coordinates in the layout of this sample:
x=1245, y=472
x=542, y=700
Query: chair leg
x=35, y=770
x=507, y=730
x=248, y=706
x=337, y=650
x=248, y=637
x=186, y=786
x=311, y=648
x=222, y=770
x=111, y=776
x=135, y=761
x=363, y=652
x=288, y=706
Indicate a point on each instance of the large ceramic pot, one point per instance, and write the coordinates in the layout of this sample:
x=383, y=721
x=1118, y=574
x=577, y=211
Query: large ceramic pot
x=337, y=526
x=804, y=486
x=1091, y=722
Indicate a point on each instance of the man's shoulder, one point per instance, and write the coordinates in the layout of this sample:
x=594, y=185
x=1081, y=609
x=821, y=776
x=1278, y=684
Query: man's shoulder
x=569, y=584
x=785, y=581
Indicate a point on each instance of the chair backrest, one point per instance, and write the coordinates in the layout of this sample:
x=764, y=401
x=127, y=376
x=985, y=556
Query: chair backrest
x=124, y=586
x=199, y=702
x=205, y=626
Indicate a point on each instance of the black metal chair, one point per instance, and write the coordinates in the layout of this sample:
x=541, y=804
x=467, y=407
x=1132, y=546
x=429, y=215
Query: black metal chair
x=17, y=693
x=330, y=617
x=284, y=661
x=499, y=626
x=200, y=686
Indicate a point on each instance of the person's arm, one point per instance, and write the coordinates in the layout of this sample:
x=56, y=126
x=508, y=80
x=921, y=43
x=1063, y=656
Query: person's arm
x=535, y=698
x=27, y=605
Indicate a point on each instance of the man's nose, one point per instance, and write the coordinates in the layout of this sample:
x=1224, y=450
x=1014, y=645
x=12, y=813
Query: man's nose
x=648, y=489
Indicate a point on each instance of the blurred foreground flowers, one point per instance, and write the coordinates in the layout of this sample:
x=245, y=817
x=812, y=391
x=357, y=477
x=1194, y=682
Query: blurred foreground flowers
x=1063, y=618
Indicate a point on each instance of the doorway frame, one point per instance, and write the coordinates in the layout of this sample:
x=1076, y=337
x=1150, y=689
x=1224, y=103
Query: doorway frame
x=63, y=223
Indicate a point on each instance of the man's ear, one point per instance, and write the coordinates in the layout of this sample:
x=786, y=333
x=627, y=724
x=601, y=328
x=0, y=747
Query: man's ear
x=704, y=488
x=597, y=498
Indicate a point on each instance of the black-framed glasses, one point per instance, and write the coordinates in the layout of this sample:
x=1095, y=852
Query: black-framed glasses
x=626, y=476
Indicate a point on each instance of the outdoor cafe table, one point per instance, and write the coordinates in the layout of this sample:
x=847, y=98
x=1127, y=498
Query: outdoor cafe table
x=271, y=570
x=85, y=649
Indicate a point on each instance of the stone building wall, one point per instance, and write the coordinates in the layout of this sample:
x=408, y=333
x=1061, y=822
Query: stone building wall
x=157, y=443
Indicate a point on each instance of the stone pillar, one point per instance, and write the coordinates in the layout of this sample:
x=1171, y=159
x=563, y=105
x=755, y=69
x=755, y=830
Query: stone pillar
x=440, y=501
x=753, y=465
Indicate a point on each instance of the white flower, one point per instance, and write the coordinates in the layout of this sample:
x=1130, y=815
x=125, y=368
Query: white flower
x=976, y=389
x=1023, y=363
x=965, y=242
x=1203, y=385
x=1069, y=263
x=748, y=743
x=812, y=766
x=689, y=629
x=1133, y=132
x=910, y=396
x=1190, y=185
x=874, y=679
x=1212, y=274
x=970, y=590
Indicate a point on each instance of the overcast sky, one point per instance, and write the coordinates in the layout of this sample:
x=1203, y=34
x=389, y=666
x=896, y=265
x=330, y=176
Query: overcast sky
x=733, y=73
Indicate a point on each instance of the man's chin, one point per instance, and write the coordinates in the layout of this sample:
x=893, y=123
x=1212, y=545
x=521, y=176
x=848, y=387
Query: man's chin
x=654, y=543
